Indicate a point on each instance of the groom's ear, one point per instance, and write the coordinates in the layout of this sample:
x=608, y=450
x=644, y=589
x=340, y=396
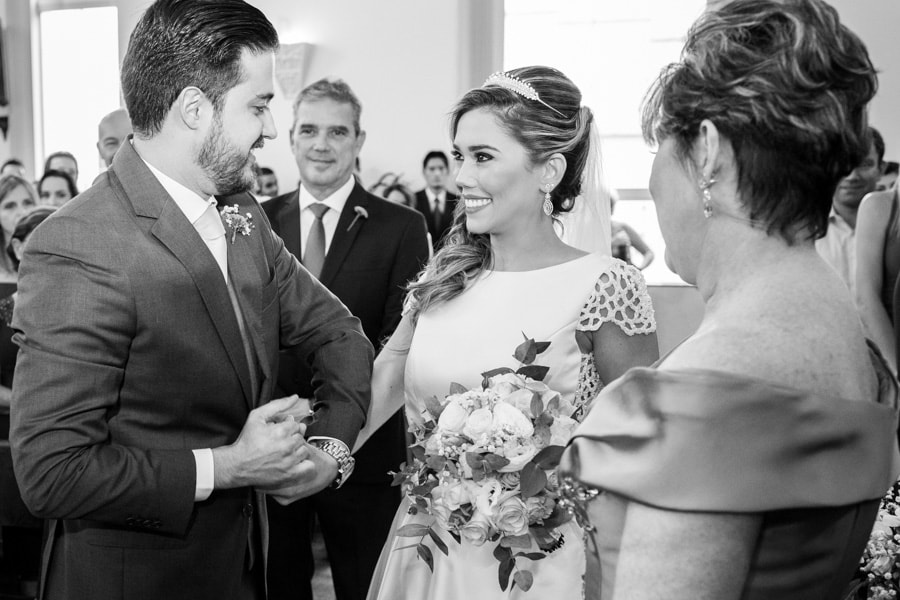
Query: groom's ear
x=553, y=170
x=192, y=108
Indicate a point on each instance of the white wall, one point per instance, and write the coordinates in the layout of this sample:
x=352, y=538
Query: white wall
x=408, y=61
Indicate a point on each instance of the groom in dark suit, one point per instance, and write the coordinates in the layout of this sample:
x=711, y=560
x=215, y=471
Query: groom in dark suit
x=435, y=201
x=365, y=250
x=149, y=327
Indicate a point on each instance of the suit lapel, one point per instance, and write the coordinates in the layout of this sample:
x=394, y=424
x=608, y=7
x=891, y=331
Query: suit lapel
x=289, y=224
x=149, y=199
x=344, y=235
x=247, y=284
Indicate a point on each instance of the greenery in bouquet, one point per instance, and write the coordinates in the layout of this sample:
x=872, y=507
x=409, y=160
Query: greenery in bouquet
x=484, y=465
x=879, y=571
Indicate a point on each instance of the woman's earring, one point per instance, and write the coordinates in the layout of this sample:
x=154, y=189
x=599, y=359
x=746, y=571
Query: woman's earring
x=548, y=203
x=707, y=197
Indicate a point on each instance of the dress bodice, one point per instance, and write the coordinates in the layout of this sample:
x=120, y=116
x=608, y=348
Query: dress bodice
x=709, y=441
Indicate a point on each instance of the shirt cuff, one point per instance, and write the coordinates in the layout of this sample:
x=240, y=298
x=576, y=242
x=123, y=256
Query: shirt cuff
x=206, y=475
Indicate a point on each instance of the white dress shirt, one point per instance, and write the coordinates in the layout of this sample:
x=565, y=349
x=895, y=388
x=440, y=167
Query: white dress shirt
x=335, y=202
x=838, y=248
x=193, y=206
x=439, y=199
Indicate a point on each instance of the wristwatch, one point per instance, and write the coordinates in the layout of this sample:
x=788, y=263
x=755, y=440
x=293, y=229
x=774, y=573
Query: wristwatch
x=341, y=453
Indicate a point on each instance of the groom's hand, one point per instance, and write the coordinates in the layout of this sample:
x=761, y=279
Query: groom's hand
x=269, y=453
x=324, y=471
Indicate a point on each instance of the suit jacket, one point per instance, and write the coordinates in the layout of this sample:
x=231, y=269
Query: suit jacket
x=367, y=267
x=437, y=230
x=130, y=357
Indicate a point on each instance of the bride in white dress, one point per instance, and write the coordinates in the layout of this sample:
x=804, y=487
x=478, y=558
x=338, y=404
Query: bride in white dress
x=522, y=144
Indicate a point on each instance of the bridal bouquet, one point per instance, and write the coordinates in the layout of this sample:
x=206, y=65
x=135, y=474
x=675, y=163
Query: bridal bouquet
x=484, y=465
x=879, y=572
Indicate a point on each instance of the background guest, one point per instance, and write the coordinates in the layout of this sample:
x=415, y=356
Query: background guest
x=838, y=245
x=877, y=268
x=624, y=238
x=751, y=461
x=20, y=531
x=113, y=130
x=399, y=194
x=17, y=196
x=13, y=166
x=56, y=188
x=267, y=183
x=365, y=250
x=62, y=161
x=435, y=201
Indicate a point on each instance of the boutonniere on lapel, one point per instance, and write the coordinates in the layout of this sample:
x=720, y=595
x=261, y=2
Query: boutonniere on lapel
x=360, y=212
x=236, y=221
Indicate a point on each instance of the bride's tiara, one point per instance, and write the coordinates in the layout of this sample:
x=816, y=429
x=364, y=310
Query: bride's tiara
x=501, y=79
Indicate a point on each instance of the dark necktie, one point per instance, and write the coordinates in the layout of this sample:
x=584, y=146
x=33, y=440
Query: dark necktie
x=438, y=213
x=314, y=257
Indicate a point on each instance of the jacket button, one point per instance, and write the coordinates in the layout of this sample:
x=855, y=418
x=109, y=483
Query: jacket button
x=248, y=510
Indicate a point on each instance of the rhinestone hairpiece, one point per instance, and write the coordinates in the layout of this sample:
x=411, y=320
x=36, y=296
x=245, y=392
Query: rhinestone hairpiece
x=501, y=79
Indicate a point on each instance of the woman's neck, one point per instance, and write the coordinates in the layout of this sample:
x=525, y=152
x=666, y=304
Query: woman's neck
x=536, y=250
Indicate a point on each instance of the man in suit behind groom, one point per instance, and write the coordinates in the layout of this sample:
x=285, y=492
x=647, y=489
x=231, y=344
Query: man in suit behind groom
x=435, y=201
x=149, y=327
x=365, y=250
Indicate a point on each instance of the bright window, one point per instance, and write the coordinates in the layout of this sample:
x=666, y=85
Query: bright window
x=613, y=51
x=77, y=87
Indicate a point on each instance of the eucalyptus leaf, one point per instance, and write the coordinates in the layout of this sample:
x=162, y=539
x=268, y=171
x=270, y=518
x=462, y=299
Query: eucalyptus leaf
x=426, y=555
x=553, y=405
x=532, y=555
x=541, y=347
x=525, y=352
x=433, y=406
x=418, y=453
x=536, y=372
x=542, y=433
x=458, y=388
x=455, y=535
x=506, y=569
x=502, y=553
x=436, y=462
x=532, y=480
x=438, y=541
x=523, y=579
x=474, y=460
x=549, y=457
x=495, y=372
x=413, y=530
x=516, y=541
x=537, y=405
x=495, y=461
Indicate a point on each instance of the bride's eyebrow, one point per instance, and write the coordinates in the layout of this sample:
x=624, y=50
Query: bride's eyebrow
x=480, y=147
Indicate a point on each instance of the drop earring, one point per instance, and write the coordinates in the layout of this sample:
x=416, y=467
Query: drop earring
x=707, y=197
x=547, y=206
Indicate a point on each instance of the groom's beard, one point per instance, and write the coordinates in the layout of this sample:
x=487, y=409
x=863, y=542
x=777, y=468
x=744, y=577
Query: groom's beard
x=227, y=167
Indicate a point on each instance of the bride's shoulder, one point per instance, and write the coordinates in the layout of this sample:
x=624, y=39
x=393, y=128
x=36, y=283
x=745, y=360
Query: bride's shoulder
x=618, y=294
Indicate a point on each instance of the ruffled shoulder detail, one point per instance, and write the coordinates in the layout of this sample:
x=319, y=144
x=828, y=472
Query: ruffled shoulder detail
x=620, y=296
x=709, y=441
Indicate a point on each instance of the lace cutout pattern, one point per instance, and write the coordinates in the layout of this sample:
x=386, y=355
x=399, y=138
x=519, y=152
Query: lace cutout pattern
x=589, y=384
x=620, y=296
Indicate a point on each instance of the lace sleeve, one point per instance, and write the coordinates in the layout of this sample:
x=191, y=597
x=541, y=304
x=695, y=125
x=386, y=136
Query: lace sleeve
x=620, y=296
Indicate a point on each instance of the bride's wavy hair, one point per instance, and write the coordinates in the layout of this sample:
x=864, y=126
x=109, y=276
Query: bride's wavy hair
x=555, y=123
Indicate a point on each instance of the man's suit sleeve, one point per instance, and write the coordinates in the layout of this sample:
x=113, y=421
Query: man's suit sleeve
x=75, y=319
x=331, y=341
x=412, y=254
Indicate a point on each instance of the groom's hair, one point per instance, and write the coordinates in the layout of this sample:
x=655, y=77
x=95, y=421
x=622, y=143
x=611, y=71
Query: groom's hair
x=183, y=43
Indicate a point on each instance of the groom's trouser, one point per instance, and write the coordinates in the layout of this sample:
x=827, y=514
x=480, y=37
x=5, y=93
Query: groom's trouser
x=355, y=522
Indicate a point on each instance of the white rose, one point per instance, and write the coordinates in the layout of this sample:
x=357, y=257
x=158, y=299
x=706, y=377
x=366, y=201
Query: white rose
x=518, y=454
x=452, y=418
x=505, y=384
x=512, y=517
x=485, y=494
x=454, y=495
x=477, y=530
x=512, y=420
x=478, y=423
x=561, y=430
x=441, y=512
x=521, y=399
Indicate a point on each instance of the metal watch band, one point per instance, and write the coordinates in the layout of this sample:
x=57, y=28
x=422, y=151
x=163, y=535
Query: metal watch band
x=339, y=451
